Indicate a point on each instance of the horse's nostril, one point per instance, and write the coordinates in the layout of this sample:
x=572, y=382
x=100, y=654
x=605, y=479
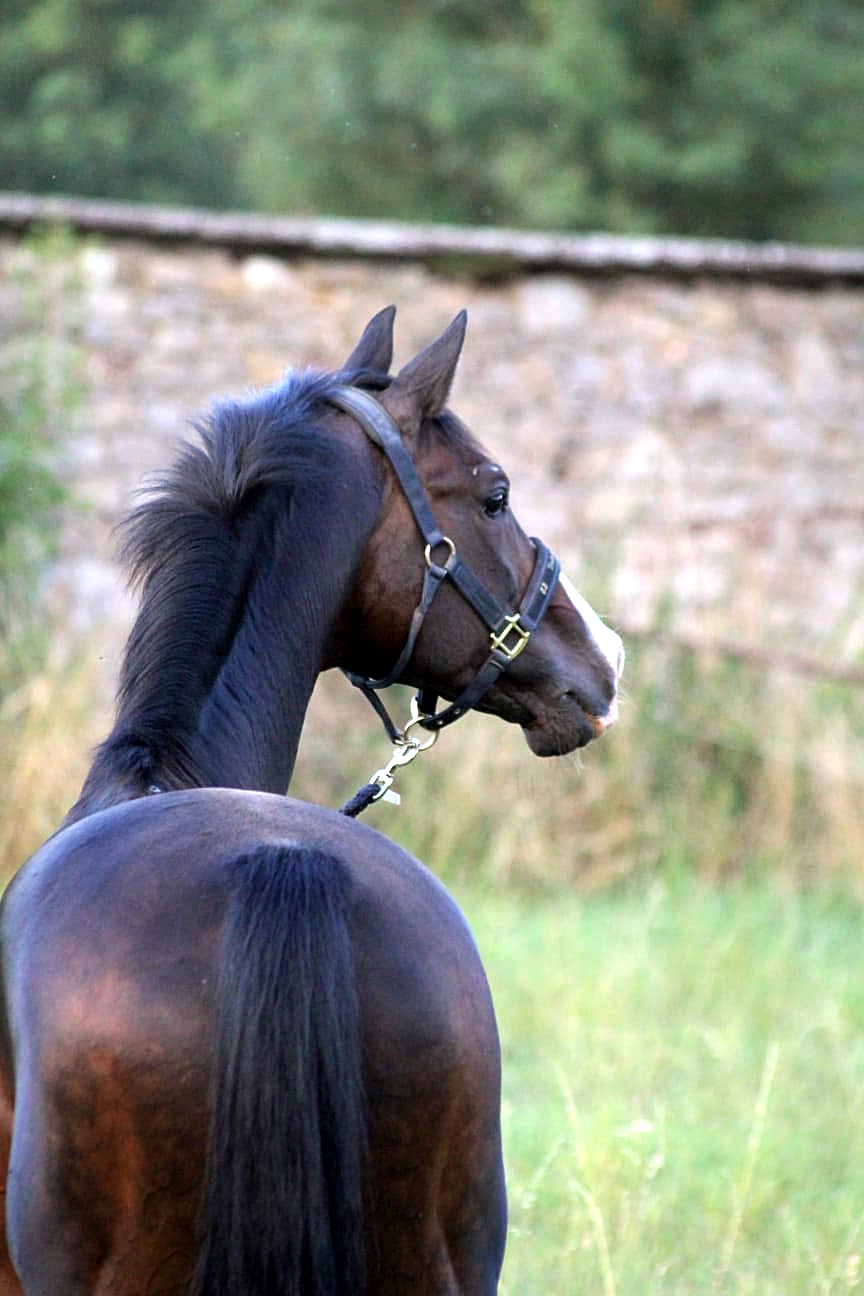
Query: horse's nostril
x=601, y=723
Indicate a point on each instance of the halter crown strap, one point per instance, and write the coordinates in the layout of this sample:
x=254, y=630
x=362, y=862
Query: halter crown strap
x=509, y=632
x=380, y=428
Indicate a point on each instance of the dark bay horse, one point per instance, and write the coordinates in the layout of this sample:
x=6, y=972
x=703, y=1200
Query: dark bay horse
x=247, y=1046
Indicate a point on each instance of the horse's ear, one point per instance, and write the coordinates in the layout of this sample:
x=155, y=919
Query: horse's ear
x=375, y=349
x=421, y=388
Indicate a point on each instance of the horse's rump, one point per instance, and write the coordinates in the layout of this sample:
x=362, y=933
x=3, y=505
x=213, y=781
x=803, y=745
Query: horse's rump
x=313, y=1001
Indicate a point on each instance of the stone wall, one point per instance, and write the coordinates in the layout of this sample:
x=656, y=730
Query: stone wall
x=694, y=448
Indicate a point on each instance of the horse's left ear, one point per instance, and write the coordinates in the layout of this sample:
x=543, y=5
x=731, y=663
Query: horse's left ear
x=421, y=388
x=375, y=349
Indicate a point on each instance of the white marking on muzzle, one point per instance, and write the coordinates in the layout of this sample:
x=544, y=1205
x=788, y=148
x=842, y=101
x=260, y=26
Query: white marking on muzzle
x=606, y=640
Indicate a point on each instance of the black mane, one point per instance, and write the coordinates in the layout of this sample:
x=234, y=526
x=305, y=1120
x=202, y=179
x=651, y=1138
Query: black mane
x=242, y=446
x=215, y=548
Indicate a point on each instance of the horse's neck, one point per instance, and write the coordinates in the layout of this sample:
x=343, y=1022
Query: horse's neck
x=249, y=726
x=237, y=722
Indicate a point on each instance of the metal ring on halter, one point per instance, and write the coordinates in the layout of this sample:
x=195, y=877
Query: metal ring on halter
x=445, y=540
x=416, y=719
x=405, y=750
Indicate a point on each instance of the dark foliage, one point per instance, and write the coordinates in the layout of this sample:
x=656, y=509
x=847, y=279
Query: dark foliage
x=712, y=117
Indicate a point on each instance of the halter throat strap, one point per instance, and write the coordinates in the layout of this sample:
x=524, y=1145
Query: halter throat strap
x=509, y=632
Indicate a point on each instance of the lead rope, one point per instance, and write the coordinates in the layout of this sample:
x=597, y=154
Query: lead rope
x=405, y=750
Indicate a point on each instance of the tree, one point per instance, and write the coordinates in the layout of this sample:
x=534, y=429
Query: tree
x=735, y=117
x=94, y=101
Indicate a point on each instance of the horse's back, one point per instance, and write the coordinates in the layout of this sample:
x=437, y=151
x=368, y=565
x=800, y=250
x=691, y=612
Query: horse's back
x=111, y=938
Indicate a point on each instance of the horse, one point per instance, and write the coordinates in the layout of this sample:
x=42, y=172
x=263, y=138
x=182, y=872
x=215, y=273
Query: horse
x=247, y=1045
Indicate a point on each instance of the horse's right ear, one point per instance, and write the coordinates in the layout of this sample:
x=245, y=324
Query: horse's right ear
x=374, y=351
x=421, y=387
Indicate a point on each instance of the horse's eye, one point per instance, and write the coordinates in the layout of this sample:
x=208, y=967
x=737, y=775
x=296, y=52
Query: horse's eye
x=495, y=503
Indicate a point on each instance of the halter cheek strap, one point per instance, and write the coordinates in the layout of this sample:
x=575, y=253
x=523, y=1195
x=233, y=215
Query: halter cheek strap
x=509, y=632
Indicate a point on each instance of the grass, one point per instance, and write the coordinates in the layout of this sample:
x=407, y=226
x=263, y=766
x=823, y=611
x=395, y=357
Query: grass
x=49, y=723
x=44, y=703
x=716, y=768
x=684, y=1084
x=40, y=390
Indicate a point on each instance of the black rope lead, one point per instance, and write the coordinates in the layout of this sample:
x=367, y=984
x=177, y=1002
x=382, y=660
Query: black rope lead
x=405, y=750
x=362, y=798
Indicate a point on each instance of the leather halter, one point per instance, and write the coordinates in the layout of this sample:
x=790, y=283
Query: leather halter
x=509, y=632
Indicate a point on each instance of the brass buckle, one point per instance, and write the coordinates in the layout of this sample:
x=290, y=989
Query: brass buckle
x=499, y=637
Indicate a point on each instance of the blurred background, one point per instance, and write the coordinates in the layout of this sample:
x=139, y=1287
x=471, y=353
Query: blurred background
x=672, y=922
x=715, y=117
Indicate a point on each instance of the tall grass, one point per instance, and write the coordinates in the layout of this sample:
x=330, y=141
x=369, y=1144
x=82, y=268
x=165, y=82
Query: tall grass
x=40, y=388
x=716, y=768
x=49, y=722
x=46, y=708
x=683, y=1088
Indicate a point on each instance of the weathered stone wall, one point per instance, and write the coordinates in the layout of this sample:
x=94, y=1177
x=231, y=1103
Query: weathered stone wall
x=692, y=448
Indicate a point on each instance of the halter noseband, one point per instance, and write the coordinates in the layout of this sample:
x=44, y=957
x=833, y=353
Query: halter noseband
x=509, y=632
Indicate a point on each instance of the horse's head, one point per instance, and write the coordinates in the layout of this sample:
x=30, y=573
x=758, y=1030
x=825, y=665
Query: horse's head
x=557, y=678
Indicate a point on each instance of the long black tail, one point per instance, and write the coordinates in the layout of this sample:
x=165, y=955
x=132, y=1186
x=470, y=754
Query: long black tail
x=283, y=1196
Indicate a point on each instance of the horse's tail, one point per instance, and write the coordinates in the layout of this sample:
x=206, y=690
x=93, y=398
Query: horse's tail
x=283, y=1195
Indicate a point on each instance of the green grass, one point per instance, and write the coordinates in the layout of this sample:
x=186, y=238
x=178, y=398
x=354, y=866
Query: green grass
x=684, y=1088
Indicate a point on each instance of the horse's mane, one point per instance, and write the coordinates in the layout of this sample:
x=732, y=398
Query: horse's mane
x=210, y=547
x=241, y=446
